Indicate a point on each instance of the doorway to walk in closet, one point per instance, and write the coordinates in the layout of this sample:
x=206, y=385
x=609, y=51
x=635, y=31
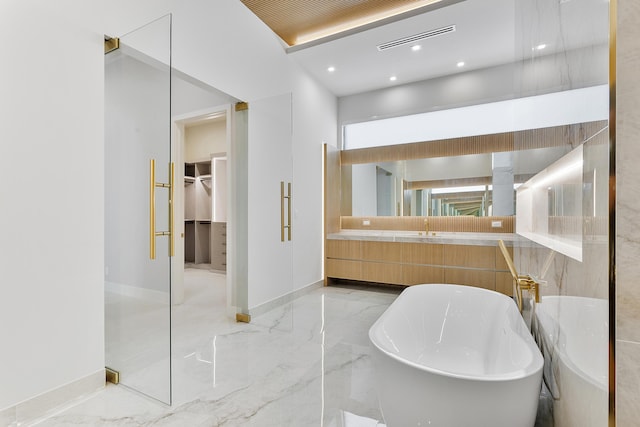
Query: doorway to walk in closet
x=202, y=133
x=202, y=121
x=205, y=193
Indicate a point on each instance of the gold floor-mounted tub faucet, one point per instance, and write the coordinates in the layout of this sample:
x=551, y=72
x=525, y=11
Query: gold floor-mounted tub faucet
x=522, y=283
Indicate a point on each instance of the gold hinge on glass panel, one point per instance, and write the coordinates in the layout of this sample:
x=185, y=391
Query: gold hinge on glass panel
x=112, y=376
x=241, y=106
x=111, y=44
x=243, y=318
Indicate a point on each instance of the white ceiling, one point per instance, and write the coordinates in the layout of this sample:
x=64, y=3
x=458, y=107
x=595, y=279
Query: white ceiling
x=485, y=36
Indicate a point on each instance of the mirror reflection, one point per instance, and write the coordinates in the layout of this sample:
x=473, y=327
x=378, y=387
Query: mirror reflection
x=475, y=185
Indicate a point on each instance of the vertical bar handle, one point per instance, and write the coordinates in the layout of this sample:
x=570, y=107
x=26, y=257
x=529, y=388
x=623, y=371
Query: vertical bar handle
x=172, y=178
x=282, y=199
x=152, y=209
x=289, y=212
x=282, y=211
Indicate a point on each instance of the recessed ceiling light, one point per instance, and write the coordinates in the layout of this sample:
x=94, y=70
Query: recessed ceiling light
x=416, y=47
x=541, y=46
x=460, y=64
x=331, y=69
x=393, y=78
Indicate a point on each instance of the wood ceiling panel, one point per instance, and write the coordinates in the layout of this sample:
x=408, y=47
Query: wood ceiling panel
x=301, y=21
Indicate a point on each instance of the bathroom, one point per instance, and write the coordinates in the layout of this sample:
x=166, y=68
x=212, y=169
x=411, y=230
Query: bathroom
x=563, y=275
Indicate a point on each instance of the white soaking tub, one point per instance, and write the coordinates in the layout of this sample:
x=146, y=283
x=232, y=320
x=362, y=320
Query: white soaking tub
x=455, y=356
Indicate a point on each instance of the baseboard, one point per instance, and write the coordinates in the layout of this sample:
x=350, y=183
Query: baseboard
x=284, y=299
x=50, y=402
x=136, y=292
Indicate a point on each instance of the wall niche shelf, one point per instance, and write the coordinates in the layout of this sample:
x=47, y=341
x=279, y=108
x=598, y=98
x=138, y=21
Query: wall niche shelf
x=549, y=206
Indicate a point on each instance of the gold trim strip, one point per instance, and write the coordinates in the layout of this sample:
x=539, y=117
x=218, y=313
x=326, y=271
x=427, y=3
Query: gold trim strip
x=111, y=44
x=152, y=209
x=613, y=30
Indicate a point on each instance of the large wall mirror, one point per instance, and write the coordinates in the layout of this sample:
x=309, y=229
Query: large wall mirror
x=442, y=186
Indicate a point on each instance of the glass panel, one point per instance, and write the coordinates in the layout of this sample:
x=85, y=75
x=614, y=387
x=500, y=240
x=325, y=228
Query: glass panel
x=238, y=273
x=571, y=320
x=137, y=288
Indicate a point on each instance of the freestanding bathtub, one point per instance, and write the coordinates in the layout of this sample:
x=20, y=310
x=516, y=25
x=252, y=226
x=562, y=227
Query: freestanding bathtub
x=455, y=356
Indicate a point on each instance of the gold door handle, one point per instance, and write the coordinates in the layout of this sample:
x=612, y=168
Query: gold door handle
x=152, y=208
x=284, y=197
x=289, y=199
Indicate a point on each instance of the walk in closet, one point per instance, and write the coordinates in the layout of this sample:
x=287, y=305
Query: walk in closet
x=205, y=201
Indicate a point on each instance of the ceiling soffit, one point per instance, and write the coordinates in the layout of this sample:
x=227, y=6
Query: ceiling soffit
x=299, y=22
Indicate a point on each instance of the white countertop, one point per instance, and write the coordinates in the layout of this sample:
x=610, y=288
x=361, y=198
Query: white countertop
x=452, y=238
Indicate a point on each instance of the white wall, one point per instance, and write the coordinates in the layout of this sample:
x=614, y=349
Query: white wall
x=315, y=113
x=51, y=167
x=552, y=109
x=204, y=139
x=51, y=253
x=546, y=75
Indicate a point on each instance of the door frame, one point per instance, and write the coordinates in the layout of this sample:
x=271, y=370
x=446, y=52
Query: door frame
x=178, y=124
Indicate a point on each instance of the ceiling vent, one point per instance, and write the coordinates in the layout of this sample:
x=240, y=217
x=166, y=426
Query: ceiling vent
x=416, y=37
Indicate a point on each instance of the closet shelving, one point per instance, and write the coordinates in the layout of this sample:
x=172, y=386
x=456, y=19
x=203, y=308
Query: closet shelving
x=205, y=240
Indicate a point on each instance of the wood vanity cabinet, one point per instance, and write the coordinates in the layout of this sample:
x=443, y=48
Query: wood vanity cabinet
x=408, y=263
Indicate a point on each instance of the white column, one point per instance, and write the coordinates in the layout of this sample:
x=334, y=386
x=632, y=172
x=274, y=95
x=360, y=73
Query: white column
x=502, y=166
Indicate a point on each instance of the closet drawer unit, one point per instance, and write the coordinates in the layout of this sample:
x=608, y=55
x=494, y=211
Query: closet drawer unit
x=219, y=245
x=219, y=262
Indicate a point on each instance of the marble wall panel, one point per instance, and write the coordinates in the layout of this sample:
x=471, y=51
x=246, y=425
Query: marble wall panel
x=627, y=209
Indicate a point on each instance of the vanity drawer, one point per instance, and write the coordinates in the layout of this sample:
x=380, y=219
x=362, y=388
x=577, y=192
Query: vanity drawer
x=379, y=272
x=382, y=251
x=344, y=249
x=423, y=253
x=344, y=269
x=470, y=277
x=419, y=274
x=470, y=256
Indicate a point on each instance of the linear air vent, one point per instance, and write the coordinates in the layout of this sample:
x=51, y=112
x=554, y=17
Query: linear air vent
x=416, y=37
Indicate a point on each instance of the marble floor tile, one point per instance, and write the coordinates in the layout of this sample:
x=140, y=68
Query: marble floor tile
x=305, y=363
